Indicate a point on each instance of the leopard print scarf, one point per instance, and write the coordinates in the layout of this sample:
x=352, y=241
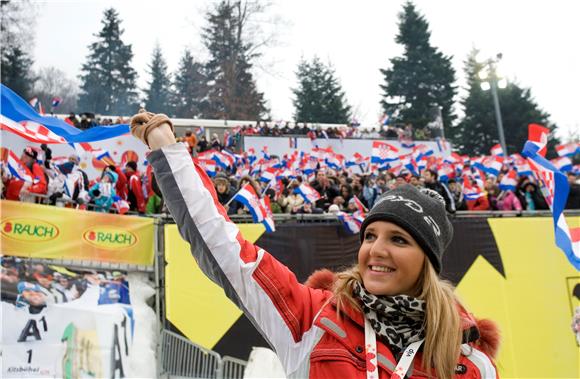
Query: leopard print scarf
x=399, y=318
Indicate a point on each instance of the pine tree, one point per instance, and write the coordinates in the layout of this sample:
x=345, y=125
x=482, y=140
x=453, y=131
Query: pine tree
x=188, y=96
x=420, y=80
x=16, y=38
x=477, y=131
x=16, y=71
x=232, y=90
x=108, y=80
x=158, y=91
x=319, y=96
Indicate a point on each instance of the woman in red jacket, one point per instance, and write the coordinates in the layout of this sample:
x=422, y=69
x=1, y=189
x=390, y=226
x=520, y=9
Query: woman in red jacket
x=390, y=315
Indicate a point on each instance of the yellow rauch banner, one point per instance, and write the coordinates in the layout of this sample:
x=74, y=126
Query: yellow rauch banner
x=39, y=231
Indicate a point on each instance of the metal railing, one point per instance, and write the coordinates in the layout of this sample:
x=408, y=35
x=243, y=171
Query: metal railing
x=182, y=358
x=232, y=368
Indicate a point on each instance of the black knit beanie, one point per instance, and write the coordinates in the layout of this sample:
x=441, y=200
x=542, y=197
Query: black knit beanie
x=421, y=212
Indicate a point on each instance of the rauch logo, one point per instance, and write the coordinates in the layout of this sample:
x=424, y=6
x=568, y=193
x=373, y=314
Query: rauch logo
x=109, y=237
x=29, y=229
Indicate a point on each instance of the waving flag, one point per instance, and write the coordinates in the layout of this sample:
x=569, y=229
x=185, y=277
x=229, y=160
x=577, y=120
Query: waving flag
x=492, y=165
x=208, y=165
x=422, y=151
x=31, y=131
x=335, y=161
x=383, y=152
x=247, y=196
x=268, y=175
x=16, y=109
x=563, y=164
x=17, y=168
x=497, y=150
x=309, y=194
x=56, y=101
x=538, y=135
x=269, y=217
x=509, y=181
x=223, y=160
x=470, y=191
x=568, y=150
x=359, y=206
x=350, y=223
x=443, y=145
x=122, y=206
x=555, y=188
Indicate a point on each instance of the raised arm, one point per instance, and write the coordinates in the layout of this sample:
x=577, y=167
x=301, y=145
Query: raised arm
x=268, y=293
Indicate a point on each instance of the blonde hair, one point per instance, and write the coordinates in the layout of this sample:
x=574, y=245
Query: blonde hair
x=443, y=332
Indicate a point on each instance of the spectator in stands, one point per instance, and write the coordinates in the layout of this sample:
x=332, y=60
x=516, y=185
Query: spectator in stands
x=573, y=201
x=401, y=180
x=191, y=140
x=504, y=200
x=370, y=192
x=103, y=193
x=457, y=195
x=17, y=189
x=325, y=188
x=307, y=208
x=345, y=192
x=479, y=204
x=431, y=182
x=155, y=201
x=225, y=193
x=290, y=199
x=415, y=181
x=340, y=203
x=202, y=145
x=530, y=196
x=215, y=142
x=135, y=189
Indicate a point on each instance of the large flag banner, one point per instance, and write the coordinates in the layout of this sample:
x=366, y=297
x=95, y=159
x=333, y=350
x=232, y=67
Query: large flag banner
x=41, y=231
x=555, y=188
x=60, y=323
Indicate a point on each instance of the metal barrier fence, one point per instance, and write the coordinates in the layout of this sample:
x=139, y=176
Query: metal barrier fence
x=232, y=368
x=179, y=357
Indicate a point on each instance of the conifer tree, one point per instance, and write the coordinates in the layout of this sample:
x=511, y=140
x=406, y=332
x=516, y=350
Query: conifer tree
x=319, y=96
x=188, y=95
x=232, y=91
x=158, y=91
x=108, y=82
x=419, y=80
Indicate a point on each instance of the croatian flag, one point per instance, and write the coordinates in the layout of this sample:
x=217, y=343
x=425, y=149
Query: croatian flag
x=421, y=151
x=208, y=165
x=443, y=145
x=247, y=196
x=56, y=101
x=335, y=161
x=555, y=188
x=309, y=194
x=223, y=160
x=470, y=191
x=410, y=164
x=359, y=206
x=563, y=164
x=497, y=150
x=568, y=150
x=538, y=135
x=268, y=175
x=383, y=152
x=384, y=120
x=351, y=224
x=492, y=165
x=269, y=218
x=17, y=168
x=122, y=206
x=445, y=171
x=509, y=181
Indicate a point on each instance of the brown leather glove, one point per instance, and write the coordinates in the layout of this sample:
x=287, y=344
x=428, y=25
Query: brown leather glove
x=143, y=122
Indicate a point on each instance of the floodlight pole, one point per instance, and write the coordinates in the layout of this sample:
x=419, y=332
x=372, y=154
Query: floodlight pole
x=498, y=119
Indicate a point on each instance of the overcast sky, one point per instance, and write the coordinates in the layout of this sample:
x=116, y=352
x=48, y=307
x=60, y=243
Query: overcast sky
x=539, y=41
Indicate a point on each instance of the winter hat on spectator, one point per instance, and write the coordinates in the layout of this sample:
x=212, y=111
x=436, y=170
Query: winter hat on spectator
x=421, y=212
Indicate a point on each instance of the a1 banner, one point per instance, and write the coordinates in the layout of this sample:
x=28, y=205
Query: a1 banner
x=61, y=323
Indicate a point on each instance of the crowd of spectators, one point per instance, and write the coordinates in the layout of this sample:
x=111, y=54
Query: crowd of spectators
x=120, y=189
